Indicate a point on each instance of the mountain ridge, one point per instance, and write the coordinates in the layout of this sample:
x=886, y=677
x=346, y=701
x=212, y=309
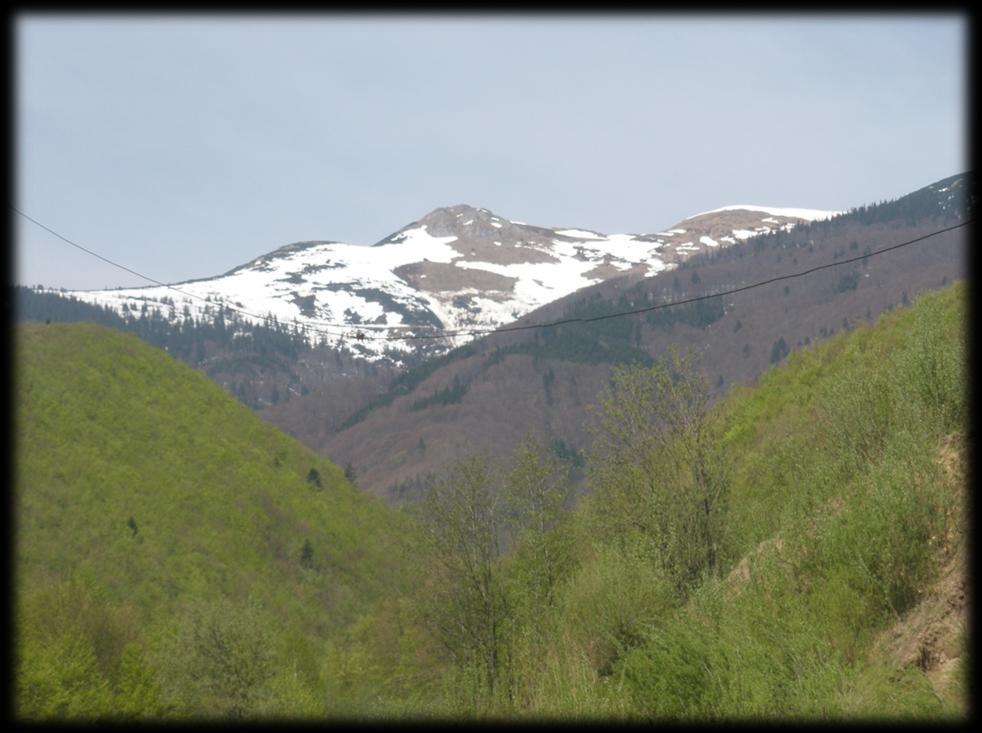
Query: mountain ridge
x=457, y=267
x=542, y=380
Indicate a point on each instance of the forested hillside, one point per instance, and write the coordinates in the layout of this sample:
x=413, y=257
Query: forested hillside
x=175, y=555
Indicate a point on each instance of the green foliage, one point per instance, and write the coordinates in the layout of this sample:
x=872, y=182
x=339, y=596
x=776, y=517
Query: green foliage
x=406, y=382
x=699, y=314
x=462, y=519
x=835, y=501
x=535, y=493
x=568, y=454
x=77, y=657
x=607, y=341
x=849, y=281
x=779, y=350
x=446, y=396
x=218, y=659
x=110, y=428
x=59, y=678
x=656, y=457
x=607, y=607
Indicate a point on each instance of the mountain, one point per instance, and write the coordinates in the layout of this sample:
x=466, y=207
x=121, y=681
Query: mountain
x=174, y=554
x=456, y=268
x=494, y=390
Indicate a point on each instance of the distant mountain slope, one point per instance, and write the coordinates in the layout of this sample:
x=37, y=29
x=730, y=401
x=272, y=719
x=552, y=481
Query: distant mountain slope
x=151, y=505
x=543, y=381
x=262, y=364
x=456, y=268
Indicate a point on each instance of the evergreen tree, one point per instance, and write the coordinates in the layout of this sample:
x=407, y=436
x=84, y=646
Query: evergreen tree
x=307, y=555
x=779, y=350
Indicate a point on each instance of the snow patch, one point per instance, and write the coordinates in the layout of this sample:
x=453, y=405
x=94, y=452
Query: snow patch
x=579, y=234
x=806, y=214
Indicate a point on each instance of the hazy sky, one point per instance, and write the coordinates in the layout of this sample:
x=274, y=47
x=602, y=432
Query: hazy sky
x=183, y=146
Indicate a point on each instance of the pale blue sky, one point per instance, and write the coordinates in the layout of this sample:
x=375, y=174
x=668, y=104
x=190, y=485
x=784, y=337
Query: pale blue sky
x=183, y=146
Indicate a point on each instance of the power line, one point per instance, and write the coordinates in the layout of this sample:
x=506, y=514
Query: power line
x=450, y=333
x=736, y=290
x=147, y=277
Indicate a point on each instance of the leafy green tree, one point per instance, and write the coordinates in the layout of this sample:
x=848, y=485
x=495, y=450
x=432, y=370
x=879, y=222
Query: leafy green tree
x=218, y=660
x=59, y=678
x=658, y=458
x=137, y=691
x=536, y=491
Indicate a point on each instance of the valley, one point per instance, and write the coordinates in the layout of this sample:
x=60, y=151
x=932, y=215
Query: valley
x=748, y=505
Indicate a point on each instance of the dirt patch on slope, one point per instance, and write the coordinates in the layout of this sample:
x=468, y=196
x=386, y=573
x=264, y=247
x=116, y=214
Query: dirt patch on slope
x=439, y=277
x=933, y=635
x=739, y=576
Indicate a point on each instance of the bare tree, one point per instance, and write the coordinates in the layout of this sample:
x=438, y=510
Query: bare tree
x=461, y=516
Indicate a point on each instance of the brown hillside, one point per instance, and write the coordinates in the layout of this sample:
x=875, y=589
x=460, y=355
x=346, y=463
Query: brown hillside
x=510, y=398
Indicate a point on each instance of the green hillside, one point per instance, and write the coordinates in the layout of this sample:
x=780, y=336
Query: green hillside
x=798, y=552
x=175, y=554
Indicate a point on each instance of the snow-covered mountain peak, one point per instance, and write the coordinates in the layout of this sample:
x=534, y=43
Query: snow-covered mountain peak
x=462, y=221
x=457, y=268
